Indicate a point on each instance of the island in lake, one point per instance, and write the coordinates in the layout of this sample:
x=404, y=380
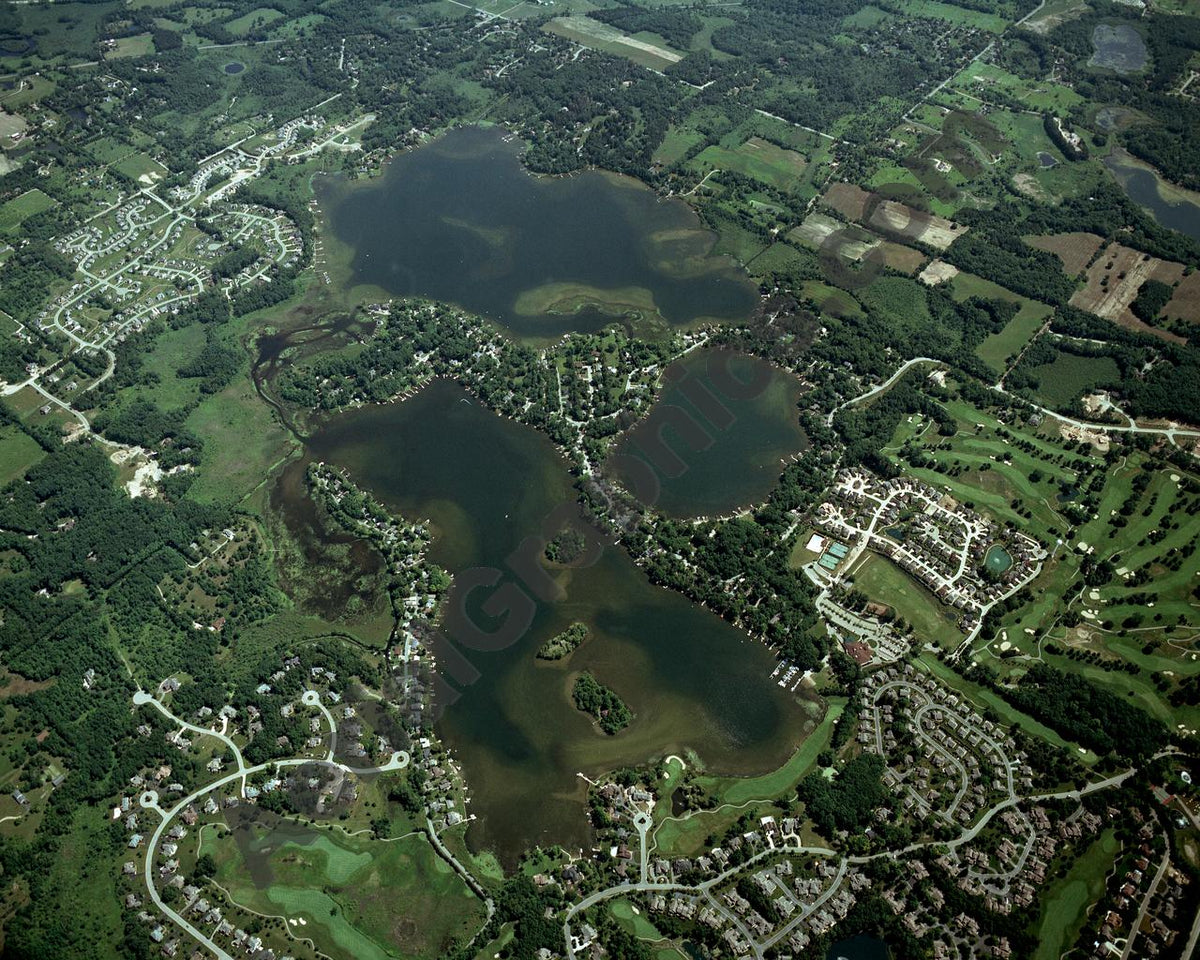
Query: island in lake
x=563, y=644
x=609, y=710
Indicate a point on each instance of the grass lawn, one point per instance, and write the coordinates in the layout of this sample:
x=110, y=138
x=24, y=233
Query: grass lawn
x=628, y=916
x=18, y=452
x=932, y=621
x=1064, y=907
x=19, y=209
x=685, y=836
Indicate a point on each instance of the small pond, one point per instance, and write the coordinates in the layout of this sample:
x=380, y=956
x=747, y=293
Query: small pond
x=860, y=947
x=234, y=68
x=998, y=560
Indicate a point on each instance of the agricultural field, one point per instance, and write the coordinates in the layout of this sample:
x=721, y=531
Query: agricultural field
x=140, y=45
x=19, y=209
x=678, y=141
x=999, y=349
x=900, y=258
x=1075, y=250
x=261, y=17
x=1113, y=281
x=1185, y=302
x=1069, y=376
x=18, y=452
x=853, y=243
x=891, y=216
x=757, y=158
x=959, y=16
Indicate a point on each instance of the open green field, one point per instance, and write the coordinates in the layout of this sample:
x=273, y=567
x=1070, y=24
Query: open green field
x=137, y=166
x=756, y=158
x=141, y=45
x=242, y=443
x=932, y=621
x=259, y=17
x=1070, y=376
x=998, y=348
x=953, y=14
x=19, y=209
x=1065, y=902
x=979, y=79
x=18, y=452
x=677, y=142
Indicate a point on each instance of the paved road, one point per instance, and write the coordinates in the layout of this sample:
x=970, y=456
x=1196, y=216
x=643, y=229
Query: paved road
x=1171, y=432
x=462, y=871
x=901, y=371
x=1137, y=924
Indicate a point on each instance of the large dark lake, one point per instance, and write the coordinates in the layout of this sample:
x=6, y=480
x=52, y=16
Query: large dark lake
x=692, y=680
x=461, y=220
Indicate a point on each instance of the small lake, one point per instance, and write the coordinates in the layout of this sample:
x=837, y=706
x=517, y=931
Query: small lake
x=1046, y=160
x=461, y=220
x=997, y=560
x=1118, y=47
x=691, y=680
x=1171, y=206
x=234, y=68
x=716, y=437
x=861, y=947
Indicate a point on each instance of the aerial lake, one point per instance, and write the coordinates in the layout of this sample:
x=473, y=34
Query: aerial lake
x=716, y=438
x=1171, y=206
x=461, y=220
x=691, y=680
